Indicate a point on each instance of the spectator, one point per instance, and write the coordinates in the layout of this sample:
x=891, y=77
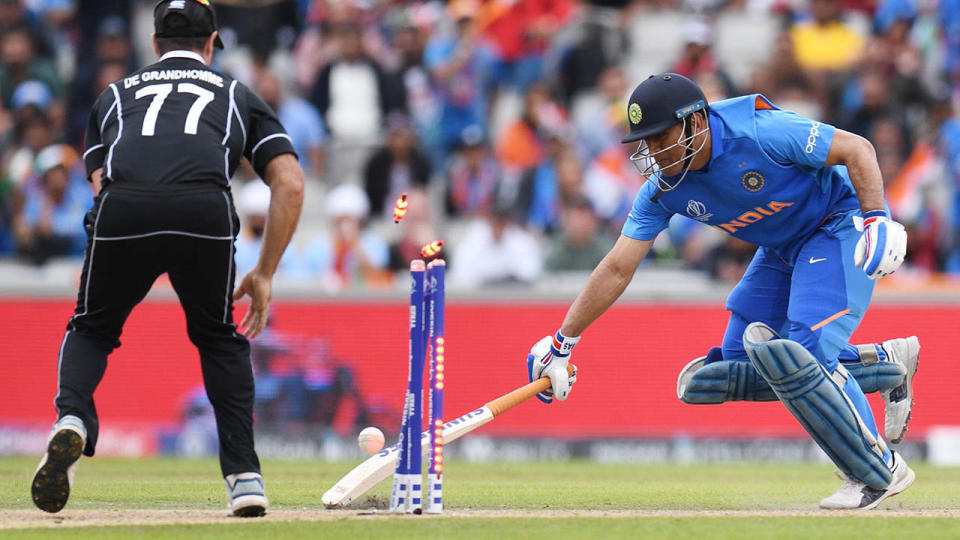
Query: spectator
x=599, y=116
x=353, y=255
x=350, y=95
x=610, y=183
x=54, y=205
x=602, y=44
x=412, y=85
x=301, y=120
x=521, y=145
x=728, y=261
x=697, y=59
x=517, y=39
x=32, y=131
x=112, y=46
x=868, y=101
x=495, y=250
x=395, y=168
x=825, y=42
x=20, y=63
x=579, y=246
x=254, y=200
x=457, y=70
x=261, y=25
x=539, y=199
x=473, y=176
x=785, y=83
x=14, y=15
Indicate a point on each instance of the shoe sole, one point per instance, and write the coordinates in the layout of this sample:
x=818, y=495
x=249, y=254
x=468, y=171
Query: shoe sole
x=908, y=481
x=913, y=352
x=50, y=488
x=250, y=506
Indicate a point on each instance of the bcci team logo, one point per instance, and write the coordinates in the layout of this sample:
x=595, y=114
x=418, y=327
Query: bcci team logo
x=635, y=113
x=752, y=181
x=698, y=211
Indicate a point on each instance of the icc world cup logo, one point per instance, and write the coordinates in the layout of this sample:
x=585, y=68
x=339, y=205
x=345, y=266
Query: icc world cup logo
x=698, y=211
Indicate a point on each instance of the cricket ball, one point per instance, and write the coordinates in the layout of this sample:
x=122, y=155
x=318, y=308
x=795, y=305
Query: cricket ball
x=371, y=440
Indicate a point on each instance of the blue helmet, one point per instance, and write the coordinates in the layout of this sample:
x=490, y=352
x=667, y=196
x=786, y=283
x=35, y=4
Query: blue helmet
x=660, y=102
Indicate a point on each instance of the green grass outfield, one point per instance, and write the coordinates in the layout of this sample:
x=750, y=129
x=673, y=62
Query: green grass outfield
x=577, y=499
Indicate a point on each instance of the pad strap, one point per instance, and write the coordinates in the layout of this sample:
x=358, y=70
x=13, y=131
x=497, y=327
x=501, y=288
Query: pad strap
x=868, y=354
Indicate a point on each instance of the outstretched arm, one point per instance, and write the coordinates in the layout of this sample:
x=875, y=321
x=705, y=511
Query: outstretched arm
x=606, y=284
x=550, y=356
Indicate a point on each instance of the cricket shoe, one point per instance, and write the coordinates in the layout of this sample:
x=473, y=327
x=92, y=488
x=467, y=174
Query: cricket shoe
x=898, y=401
x=50, y=488
x=246, y=496
x=854, y=495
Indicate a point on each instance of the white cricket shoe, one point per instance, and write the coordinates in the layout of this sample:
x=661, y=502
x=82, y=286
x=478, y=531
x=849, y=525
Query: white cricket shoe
x=854, y=495
x=50, y=488
x=898, y=402
x=246, y=495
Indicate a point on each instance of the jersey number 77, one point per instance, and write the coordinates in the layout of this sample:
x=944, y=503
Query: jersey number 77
x=160, y=93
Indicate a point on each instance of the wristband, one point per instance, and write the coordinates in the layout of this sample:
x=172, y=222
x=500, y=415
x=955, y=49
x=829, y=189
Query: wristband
x=873, y=215
x=563, y=345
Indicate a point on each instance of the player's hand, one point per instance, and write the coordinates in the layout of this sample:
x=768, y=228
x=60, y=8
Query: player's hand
x=549, y=358
x=258, y=287
x=881, y=249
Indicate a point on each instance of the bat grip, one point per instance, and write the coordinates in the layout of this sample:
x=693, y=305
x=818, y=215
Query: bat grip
x=518, y=396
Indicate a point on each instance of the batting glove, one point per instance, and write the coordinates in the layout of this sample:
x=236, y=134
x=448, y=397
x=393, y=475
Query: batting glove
x=549, y=358
x=881, y=249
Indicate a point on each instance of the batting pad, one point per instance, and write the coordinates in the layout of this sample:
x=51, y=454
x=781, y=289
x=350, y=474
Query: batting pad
x=722, y=381
x=816, y=399
x=877, y=376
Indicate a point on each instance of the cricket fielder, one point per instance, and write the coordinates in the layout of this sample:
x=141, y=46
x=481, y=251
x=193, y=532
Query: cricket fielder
x=811, y=196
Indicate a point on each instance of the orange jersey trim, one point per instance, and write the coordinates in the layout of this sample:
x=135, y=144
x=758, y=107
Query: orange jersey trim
x=829, y=319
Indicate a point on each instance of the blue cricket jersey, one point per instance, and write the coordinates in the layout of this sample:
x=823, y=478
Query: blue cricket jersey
x=765, y=183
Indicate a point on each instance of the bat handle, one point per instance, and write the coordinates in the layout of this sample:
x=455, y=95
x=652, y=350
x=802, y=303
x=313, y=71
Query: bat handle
x=518, y=396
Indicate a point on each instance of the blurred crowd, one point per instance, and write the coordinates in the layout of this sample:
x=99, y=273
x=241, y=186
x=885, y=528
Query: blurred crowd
x=500, y=119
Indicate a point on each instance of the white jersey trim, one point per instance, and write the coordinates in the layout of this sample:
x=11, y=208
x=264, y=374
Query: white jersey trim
x=183, y=54
x=106, y=117
x=116, y=95
x=93, y=247
x=253, y=152
x=155, y=233
x=226, y=135
x=226, y=296
x=91, y=149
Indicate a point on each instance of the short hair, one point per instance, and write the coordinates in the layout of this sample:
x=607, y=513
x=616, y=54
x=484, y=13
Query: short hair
x=167, y=44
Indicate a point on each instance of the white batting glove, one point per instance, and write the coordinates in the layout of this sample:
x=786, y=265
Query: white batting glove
x=881, y=249
x=549, y=357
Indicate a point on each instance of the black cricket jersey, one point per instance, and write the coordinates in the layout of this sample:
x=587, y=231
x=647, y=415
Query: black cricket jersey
x=179, y=123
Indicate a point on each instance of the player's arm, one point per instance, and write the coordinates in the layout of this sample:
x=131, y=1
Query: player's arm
x=861, y=161
x=793, y=140
x=285, y=178
x=881, y=248
x=551, y=355
x=270, y=152
x=94, y=149
x=606, y=284
x=96, y=178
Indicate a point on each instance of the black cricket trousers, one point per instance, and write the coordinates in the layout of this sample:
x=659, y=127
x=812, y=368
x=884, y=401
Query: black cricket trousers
x=133, y=236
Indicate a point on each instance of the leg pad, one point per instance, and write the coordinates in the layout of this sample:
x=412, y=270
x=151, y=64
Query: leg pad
x=817, y=400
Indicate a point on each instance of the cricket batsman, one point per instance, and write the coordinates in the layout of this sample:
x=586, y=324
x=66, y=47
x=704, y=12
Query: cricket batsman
x=811, y=197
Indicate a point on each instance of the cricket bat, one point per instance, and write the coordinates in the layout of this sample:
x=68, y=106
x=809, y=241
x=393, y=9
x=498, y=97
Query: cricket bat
x=379, y=466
